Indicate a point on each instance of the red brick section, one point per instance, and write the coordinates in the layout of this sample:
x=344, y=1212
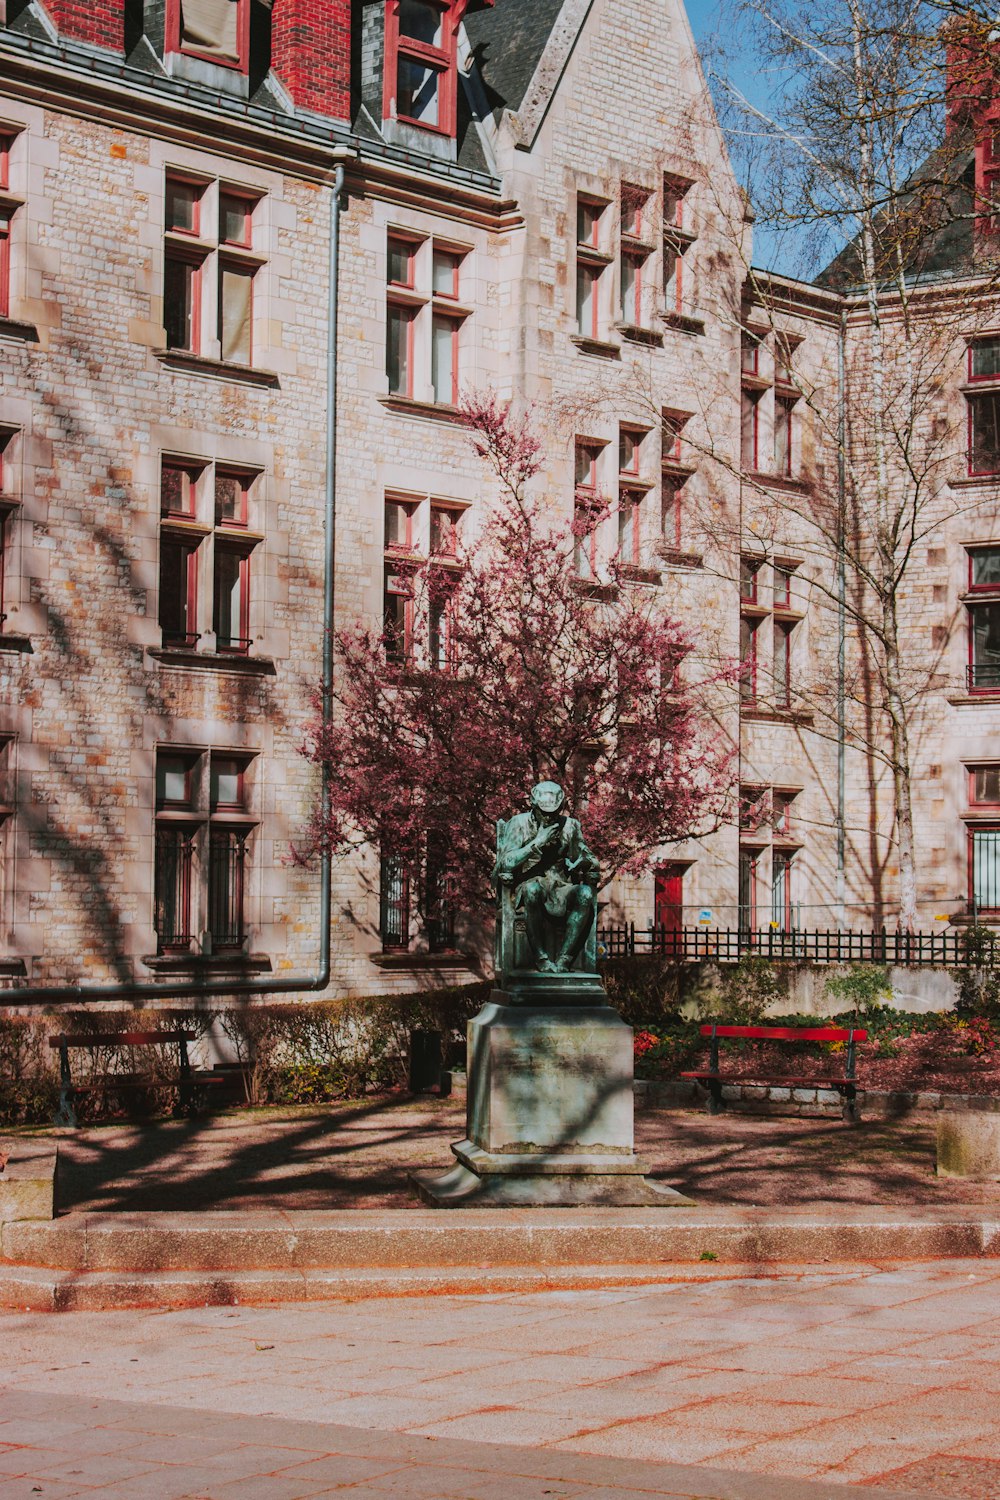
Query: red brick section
x=99, y=21
x=311, y=53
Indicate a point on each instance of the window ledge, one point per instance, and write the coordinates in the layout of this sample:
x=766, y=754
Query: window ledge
x=750, y=714
x=632, y=573
x=777, y=481
x=985, y=696
x=751, y=382
x=436, y=411
x=207, y=963
x=403, y=959
x=215, y=661
x=636, y=334
x=601, y=347
x=752, y=610
x=782, y=612
x=675, y=559
x=974, y=479
x=221, y=369
x=14, y=328
x=682, y=323
x=16, y=643
x=676, y=469
x=592, y=590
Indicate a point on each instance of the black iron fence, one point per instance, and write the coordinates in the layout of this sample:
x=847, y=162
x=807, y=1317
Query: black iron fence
x=834, y=947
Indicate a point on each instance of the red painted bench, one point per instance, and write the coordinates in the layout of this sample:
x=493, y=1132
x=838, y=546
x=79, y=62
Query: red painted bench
x=190, y=1085
x=845, y=1083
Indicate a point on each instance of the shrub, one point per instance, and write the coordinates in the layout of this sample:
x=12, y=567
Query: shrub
x=866, y=988
x=746, y=991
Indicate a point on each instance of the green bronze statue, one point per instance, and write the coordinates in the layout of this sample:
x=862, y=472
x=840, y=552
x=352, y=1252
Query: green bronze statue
x=551, y=878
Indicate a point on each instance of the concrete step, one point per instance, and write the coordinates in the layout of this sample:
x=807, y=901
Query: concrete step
x=270, y=1249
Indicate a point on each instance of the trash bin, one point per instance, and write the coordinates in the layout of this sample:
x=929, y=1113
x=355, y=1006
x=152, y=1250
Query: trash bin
x=426, y=1054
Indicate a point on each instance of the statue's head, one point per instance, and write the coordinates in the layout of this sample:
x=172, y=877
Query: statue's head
x=547, y=798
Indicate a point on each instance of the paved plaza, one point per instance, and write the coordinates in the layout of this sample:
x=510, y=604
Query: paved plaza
x=724, y=1383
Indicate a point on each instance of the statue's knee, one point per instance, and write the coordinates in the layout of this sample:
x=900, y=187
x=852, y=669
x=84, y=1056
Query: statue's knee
x=533, y=894
x=582, y=898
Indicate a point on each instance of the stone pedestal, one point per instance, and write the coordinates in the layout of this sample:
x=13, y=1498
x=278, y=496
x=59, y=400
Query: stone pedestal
x=549, y=1113
x=968, y=1143
x=27, y=1181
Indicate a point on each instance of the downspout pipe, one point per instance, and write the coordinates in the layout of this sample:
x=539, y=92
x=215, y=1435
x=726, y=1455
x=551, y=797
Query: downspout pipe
x=842, y=624
x=148, y=989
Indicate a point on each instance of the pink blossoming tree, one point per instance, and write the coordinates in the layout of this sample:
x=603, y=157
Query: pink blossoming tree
x=544, y=676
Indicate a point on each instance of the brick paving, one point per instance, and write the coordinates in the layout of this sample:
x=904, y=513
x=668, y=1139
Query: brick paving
x=360, y=1154
x=737, y=1386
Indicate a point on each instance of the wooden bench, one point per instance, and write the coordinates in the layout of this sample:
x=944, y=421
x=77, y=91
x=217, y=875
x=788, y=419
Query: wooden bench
x=845, y=1083
x=191, y=1085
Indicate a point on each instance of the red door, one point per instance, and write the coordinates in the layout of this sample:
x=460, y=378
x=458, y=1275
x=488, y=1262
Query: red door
x=668, y=899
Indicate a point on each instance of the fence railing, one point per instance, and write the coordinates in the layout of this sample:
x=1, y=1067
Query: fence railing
x=834, y=947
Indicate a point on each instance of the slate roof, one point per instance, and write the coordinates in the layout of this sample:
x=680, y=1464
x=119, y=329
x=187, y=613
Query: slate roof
x=508, y=42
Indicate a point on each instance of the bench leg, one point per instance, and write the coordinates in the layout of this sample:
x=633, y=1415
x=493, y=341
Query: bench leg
x=66, y=1115
x=851, y=1113
x=714, y=1105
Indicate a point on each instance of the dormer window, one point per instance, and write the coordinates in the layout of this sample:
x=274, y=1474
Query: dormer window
x=420, y=69
x=216, y=30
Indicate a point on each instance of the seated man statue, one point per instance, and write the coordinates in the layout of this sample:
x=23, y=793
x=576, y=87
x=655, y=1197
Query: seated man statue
x=542, y=855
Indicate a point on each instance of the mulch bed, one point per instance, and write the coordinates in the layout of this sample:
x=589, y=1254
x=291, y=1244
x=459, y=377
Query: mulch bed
x=924, y=1062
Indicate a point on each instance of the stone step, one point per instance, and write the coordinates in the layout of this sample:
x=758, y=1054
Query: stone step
x=425, y=1240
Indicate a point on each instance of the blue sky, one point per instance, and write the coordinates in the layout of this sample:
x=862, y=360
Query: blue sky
x=708, y=19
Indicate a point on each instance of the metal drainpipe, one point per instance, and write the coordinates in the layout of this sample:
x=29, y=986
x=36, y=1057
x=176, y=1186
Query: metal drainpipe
x=841, y=628
x=31, y=994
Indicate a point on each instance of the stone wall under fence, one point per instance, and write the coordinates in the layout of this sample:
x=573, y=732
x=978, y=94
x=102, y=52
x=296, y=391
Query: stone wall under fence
x=813, y=1103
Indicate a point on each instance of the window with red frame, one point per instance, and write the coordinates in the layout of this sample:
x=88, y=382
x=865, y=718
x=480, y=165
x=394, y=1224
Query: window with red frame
x=6, y=141
x=677, y=240
x=178, y=575
x=6, y=218
x=671, y=512
x=445, y=527
x=781, y=813
x=984, y=786
x=630, y=526
x=747, y=894
x=782, y=910
x=782, y=664
x=984, y=619
x=8, y=508
x=400, y=516
x=231, y=597
x=984, y=868
x=401, y=313
x=174, y=852
x=591, y=262
x=749, y=430
x=629, y=449
x=440, y=629
x=749, y=353
x=446, y=323
x=782, y=592
x=748, y=659
x=784, y=408
x=420, y=67
x=585, y=508
x=217, y=31
x=984, y=407
x=193, y=251
x=749, y=578
x=394, y=902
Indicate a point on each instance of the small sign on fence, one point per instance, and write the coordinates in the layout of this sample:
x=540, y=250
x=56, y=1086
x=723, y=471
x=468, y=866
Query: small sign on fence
x=705, y=916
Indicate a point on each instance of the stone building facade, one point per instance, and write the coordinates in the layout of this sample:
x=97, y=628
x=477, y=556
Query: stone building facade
x=512, y=211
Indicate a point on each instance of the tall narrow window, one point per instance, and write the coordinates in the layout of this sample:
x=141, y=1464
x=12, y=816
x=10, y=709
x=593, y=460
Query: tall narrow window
x=783, y=409
x=749, y=430
x=227, y=853
x=5, y=218
x=180, y=538
x=400, y=315
x=439, y=898
x=983, y=605
x=232, y=598
x=174, y=852
x=591, y=261
x=678, y=238
x=748, y=659
x=585, y=510
x=782, y=910
x=183, y=265
x=394, y=903
x=630, y=526
x=782, y=665
x=747, y=895
x=446, y=321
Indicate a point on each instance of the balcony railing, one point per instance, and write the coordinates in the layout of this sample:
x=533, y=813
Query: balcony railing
x=690, y=944
x=983, y=677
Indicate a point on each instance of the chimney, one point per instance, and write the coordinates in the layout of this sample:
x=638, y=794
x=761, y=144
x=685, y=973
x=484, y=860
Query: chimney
x=311, y=53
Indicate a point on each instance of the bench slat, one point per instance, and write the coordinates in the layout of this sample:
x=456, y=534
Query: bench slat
x=787, y=1033
x=123, y=1039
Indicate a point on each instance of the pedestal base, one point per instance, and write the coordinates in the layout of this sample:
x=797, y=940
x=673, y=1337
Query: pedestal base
x=479, y=1179
x=549, y=1111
